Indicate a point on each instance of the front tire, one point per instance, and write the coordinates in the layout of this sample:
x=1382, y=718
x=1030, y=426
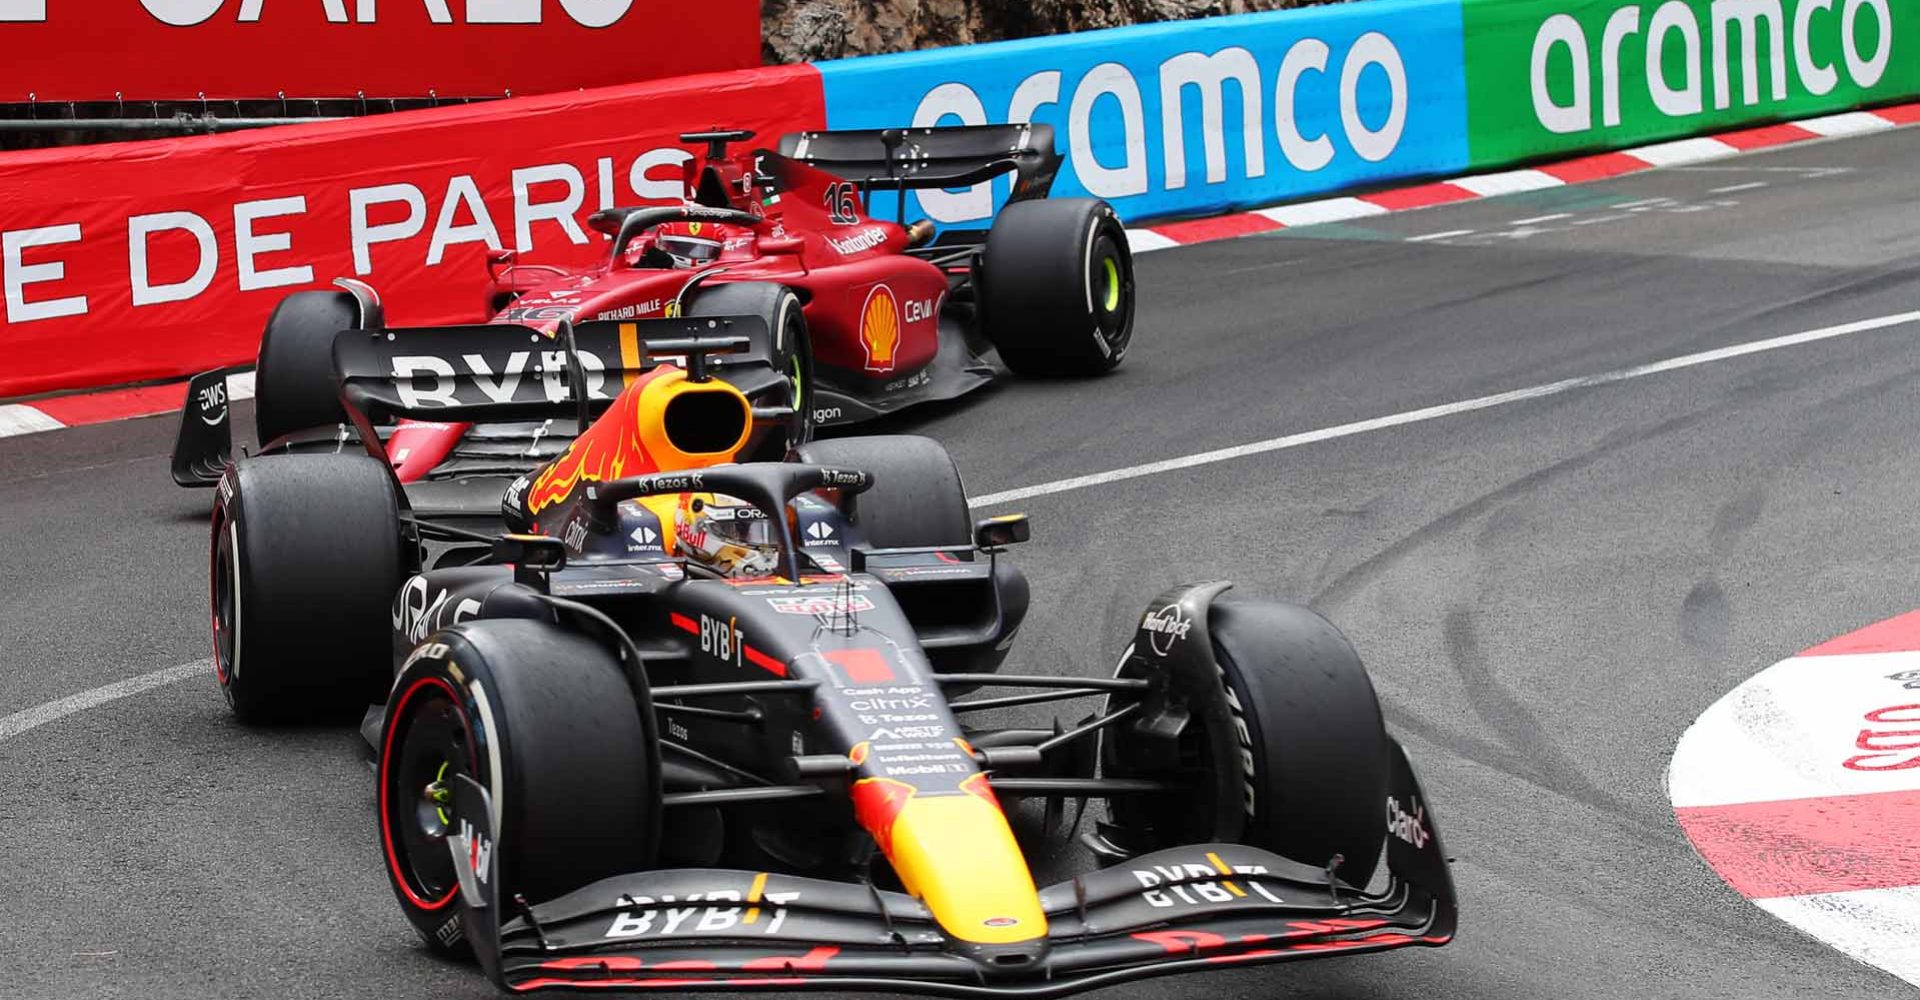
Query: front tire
x=577, y=785
x=1312, y=760
x=293, y=376
x=1057, y=287
x=307, y=555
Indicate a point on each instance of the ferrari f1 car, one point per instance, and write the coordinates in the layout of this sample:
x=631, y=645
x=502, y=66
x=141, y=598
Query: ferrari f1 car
x=672, y=720
x=863, y=316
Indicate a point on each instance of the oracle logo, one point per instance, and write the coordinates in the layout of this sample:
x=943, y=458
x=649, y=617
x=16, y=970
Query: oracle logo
x=186, y=13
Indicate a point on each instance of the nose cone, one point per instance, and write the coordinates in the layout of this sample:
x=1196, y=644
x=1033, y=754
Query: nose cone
x=956, y=853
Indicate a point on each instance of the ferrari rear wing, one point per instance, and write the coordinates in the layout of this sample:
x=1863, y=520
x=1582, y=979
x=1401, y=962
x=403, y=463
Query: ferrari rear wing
x=1184, y=909
x=938, y=157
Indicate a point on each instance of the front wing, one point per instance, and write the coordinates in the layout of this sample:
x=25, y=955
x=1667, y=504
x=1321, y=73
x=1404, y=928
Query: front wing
x=1185, y=909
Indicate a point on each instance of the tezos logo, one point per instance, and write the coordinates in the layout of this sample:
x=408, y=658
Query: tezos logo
x=1408, y=826
x=1166, y=627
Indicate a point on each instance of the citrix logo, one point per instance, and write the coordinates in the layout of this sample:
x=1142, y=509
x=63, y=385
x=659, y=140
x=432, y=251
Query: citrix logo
x=1114, y=83
x=1674, y=23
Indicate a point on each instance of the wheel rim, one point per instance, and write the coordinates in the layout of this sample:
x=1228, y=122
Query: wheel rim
x=1110, y=276
x=429, y=749
x=797, y=380
x=226, y=604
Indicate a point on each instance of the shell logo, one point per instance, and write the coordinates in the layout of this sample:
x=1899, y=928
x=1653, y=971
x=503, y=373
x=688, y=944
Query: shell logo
x=880, y=328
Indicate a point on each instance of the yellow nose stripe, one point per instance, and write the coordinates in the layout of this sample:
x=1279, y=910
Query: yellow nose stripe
x=958, y=855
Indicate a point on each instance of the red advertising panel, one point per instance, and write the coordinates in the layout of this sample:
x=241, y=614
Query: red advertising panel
x=146, y=260
x=91, y=50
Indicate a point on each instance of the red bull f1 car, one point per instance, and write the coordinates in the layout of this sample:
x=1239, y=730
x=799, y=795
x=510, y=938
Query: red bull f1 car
x=862, y=316
x=672, y=720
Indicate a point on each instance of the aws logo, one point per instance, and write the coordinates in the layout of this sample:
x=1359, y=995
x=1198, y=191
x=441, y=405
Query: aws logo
x=880, y=329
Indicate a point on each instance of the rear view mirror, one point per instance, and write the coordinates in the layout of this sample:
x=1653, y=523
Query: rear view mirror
x=1002, y=531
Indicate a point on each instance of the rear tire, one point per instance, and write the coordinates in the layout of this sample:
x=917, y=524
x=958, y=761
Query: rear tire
x=1319, y=751
x=577, y=785
x=307, y=556
x=787, y=347
x=1057, y=287
x=917, y=499
x=293, y=378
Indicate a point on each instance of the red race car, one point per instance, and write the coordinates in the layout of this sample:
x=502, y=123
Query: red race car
x=854, y=316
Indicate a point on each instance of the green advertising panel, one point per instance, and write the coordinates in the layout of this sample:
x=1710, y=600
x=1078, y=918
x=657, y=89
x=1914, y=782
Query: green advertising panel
x=1556, y=76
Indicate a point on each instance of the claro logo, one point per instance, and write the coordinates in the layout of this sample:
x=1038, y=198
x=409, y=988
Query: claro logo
x=186, y=13
x=1743, y=22
x=1209, y=75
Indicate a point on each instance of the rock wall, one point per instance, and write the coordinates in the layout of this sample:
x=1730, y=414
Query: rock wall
x=807, y=30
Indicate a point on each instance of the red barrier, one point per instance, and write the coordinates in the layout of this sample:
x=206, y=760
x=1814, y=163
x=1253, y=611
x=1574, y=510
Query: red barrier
x=147, y=260
x=89, y=50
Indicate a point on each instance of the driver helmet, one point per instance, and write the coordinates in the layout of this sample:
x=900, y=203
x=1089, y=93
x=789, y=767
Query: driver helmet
x=689, y=244
x=729, y=536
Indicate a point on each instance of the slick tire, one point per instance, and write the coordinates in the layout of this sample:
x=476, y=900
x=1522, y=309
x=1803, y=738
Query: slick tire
x=293, y=377
x=916, y=500
x=1056, y=284
x=307, y=557
x=1319, y=754
x=787, y=347
x=577, y=784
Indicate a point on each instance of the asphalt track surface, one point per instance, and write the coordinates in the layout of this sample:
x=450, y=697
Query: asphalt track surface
x=1547, y=592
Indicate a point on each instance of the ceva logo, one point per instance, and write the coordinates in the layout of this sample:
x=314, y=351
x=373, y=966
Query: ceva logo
x=1674, y=23
x=1115, y=85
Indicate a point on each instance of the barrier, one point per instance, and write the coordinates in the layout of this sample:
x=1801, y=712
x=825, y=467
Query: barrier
x=102, y=50
x=139, y=261
x=1549, y=77
x=1193, y=117
x=143, y=261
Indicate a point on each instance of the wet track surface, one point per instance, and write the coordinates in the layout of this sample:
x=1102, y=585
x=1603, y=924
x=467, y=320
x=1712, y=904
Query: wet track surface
x=1547, y=592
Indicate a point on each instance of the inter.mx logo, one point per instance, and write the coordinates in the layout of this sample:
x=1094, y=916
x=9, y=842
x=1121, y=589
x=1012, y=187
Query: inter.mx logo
x=185, y=13
x=1764, y=35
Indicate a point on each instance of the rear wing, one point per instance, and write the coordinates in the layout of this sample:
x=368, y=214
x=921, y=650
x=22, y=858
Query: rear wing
x=939, y=157
x=489, y=373
x=501, y=372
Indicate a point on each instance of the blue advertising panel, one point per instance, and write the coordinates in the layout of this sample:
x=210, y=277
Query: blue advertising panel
x=1191, y=117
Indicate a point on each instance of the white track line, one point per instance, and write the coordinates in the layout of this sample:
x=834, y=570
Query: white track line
x=20, y=722
x=1443, y=410
x=39, y=715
